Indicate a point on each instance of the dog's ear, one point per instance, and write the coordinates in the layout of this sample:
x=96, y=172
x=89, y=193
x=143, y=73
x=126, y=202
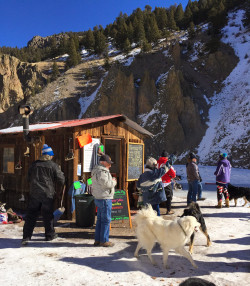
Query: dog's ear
x=185, y=212
x=197, y=207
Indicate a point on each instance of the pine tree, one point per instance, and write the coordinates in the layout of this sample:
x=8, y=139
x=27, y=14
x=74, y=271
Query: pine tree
x=122, y=35
x=161, y=18
x=188, y=17
x=89, y=40
x=139, y=32
x=100, y=42
x=130, y=32
x=55, y=72
x=74, y=56
x=146, y=46
x=191, y=30
x=107, y=64
x=126, y=46
x=151, y=29
x=171, y=20
x=53, y=47
x=63, y=46
x=179, y=15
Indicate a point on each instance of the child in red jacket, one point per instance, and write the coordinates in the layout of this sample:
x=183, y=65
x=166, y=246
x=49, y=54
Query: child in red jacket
x=166, y=181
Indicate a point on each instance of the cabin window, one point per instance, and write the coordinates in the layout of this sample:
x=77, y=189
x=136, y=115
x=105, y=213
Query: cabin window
x=8, y=160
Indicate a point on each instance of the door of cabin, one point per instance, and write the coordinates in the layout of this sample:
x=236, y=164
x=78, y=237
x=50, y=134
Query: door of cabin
x=114, y=147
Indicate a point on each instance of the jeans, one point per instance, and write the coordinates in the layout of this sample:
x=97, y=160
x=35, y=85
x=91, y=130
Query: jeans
x=157, y=209
x=192, y=191
x=200, y=190
x=103, y=220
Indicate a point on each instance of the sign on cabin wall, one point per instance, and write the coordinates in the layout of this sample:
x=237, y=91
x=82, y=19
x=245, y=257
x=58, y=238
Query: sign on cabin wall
x=120, y=208
x=135, y=160
x=88, y=154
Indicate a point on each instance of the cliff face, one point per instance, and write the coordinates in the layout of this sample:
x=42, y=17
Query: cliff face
x=17, y=81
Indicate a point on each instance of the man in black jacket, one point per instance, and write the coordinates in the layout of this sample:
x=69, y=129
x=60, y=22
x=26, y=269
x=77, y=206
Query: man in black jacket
x=43, y=174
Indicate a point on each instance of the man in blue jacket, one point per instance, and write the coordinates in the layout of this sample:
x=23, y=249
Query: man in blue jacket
x=223, y=173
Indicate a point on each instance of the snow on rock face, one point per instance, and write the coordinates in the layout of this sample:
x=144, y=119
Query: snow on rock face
x=229, y=115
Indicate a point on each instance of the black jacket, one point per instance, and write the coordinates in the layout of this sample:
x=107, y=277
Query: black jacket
x=43, y=174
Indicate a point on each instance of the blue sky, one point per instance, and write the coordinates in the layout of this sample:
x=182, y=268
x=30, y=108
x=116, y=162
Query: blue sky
x=22, y=19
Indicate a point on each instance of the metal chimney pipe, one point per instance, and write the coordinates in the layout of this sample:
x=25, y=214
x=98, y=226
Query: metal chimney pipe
x=26, y=111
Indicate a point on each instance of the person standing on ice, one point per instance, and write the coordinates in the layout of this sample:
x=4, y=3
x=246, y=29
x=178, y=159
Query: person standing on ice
x=193, y=177
x=43, y=174
x=222, y=173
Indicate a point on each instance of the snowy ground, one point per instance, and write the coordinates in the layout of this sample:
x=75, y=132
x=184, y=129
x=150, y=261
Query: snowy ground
x=73, y=260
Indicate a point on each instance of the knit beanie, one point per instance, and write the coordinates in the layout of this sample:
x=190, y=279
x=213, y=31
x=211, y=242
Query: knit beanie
x=164, y=154
x=47, y=150
x=192, y=156
x=223, y=155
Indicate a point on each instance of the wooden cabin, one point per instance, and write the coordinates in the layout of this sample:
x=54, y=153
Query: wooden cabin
x=122, y=138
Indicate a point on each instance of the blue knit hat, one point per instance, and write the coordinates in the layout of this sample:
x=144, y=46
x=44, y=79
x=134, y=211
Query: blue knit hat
x=223, y=155
x=47, y=150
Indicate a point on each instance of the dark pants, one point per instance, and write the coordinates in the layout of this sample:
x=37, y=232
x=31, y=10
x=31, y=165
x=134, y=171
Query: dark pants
x=222, y=189
x=169, y=194
x=35, y=206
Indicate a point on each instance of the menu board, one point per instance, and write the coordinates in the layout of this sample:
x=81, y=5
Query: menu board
x=135, y=161
x=120, y=210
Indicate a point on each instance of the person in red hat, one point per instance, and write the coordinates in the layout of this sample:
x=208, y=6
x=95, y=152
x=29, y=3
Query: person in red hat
x=166, y=181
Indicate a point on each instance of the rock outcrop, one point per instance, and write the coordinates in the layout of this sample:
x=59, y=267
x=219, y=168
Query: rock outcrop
x=18, y=81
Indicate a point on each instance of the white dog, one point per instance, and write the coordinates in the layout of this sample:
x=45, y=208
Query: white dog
x=169, y=234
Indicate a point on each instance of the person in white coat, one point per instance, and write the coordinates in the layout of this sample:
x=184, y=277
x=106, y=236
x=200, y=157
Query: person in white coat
x=103, y=190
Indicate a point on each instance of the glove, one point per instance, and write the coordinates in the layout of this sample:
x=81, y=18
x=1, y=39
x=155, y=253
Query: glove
x=172, y=158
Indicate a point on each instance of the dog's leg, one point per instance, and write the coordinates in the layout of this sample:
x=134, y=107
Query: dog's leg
x=182, y=251
x=151, y=258
x=245, y=201
x=235, y=202
x=149, y=251
x=137, y=250
x=204, y=231
x=165, y=257
x=191, y=243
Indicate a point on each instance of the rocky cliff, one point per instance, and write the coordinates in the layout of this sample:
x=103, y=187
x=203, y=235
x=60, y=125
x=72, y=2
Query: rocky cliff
x=18, y=81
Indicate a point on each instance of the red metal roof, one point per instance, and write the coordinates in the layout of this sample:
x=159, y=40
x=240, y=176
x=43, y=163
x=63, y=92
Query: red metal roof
x=76, y=122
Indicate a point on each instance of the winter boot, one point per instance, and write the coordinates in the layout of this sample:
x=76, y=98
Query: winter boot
x=219, y=206
x=227, y=203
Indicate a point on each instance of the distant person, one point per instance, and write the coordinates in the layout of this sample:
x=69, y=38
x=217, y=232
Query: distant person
x=193, y=177
x=103, y=189
x=200, y=189
x=150, y=184
x=43, y=174
x=223, y=173
x=166, y=181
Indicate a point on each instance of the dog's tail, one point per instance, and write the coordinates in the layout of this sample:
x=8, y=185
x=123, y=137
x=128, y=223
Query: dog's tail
x=145, y=213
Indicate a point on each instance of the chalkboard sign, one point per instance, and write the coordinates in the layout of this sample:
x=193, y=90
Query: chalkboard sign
x=120, y=207
x=135, y=161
